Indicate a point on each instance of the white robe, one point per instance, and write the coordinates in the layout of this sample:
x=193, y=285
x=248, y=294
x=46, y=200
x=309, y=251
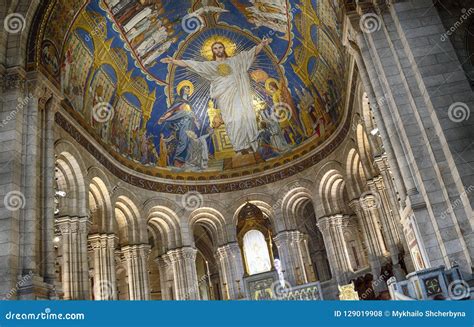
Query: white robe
x=233, y=96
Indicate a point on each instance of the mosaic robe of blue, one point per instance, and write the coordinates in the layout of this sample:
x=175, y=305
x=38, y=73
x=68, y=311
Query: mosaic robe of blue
x=180, y=122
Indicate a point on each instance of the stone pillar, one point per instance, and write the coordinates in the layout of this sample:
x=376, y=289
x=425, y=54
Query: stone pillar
x=367, y=213
x=389, y=228
x=135, y=258
x=231, y=271
x=166, y=276
x=75, y=271
x=309, y=267
x=183, y=262
x=353, y=228
x=422, y=88
x=332, y=229
x=386, y=189
x=291, y=250
x=103, y=254
x=12, y=200
x=47, y=186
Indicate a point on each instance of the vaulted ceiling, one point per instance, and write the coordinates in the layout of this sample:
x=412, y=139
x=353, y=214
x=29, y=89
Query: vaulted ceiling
x=165, y=120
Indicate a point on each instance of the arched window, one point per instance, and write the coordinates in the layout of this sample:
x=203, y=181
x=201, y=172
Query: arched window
x=254, y=235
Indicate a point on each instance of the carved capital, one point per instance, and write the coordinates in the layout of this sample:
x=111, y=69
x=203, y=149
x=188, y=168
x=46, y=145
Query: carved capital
x=14, y=79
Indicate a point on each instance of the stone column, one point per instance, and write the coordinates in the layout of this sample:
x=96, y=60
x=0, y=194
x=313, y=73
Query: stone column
x=75, y=271
x=47, y=186
x=103, y=254
x=183, y=262
x=12, y=88
x=366, y=211
x=421, y=94
x=135, y=258
x=387, y=191
x=166, y=276
x=353, y=228
x=309, y=266
x=332, y=229
x=389, y=228
x=291, y=251
x=231, y=271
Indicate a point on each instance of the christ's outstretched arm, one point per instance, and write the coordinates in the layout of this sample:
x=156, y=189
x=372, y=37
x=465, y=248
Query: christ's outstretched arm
x=262, y=44
x=173, y=61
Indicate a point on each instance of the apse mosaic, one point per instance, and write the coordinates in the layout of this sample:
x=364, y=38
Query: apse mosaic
x=203, y=85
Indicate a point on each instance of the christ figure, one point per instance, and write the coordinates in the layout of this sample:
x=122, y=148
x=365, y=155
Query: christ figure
x=231, y=89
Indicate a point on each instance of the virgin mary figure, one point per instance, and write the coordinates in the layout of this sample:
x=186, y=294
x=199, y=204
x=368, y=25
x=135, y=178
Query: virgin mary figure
x=180, y=119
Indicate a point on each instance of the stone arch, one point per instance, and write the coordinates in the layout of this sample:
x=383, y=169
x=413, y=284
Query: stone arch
x=262, y=201
x=69, y=176
x=331, y=193
x=293, y=203
x=128, y=222
x=213, y=221
x=354, y=171
x=162, y=219
x=366, y=152
x=16, y=43
x=100, y=202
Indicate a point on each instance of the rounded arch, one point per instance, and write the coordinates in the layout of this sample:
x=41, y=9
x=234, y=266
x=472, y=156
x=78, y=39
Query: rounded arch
x=69, y=175
x=128, y=222
x=262, y=201
x=331, y=194
x=100, y=205
x=213, y=221
x=354, y=171
x=365, y=151
x=164, y=223
x=293, y=204
x=16, y=43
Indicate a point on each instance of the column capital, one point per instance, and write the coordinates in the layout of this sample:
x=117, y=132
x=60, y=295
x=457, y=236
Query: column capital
x=324, y=223
x=102, y=240
x=42, y=88
x=69, y=224
x=135, y=250
x=228, y=250
x=13, y=79
x=288, y=236
x=184, y=253
x=163, y=260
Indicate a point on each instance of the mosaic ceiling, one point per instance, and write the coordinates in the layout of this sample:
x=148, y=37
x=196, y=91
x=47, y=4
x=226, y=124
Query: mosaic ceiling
x=214, y=87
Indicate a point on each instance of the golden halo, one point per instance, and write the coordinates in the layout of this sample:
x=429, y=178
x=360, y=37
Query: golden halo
x=183, y=84
x=206, y=51
x=267, y=84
